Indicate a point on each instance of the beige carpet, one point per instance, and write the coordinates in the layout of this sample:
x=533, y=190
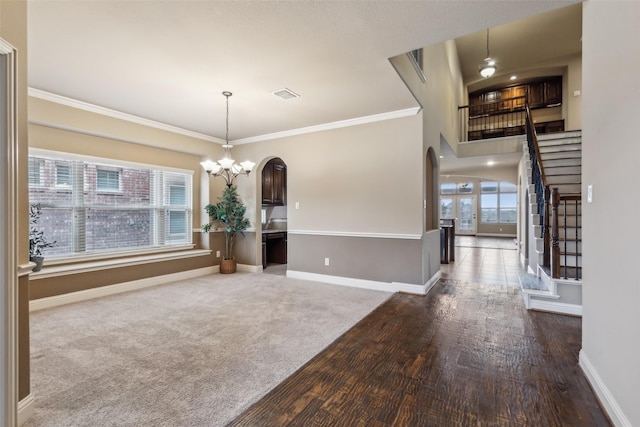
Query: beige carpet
x=190, y=353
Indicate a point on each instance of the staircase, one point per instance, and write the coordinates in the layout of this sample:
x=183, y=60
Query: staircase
x=556, y=284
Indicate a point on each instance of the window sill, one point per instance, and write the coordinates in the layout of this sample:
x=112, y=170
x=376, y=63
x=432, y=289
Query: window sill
x=87, y=267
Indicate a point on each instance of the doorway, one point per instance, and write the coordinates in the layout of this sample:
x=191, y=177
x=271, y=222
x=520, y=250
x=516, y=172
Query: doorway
x=463, y=210
x=274, y=216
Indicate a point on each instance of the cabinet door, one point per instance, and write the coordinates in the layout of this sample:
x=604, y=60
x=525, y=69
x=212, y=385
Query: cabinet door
x=491, y=100
x=267, y=184
x=553, y=91
x=279, y=183
x=536, y=94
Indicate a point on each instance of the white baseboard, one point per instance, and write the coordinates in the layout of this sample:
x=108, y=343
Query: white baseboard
x=25, y=409
x=611, y=407
x=249, y=268
x=57, y=300
x=366, y=284
x=495, y=235
x=555, y=307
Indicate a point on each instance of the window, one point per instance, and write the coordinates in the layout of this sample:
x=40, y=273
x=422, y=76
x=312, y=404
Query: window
x=465, y=188
x=96, y=205
x=446, y=208
x=108, y=180
x=63, y=175
x=447, y=188
x=35, y=172
x=498, y=203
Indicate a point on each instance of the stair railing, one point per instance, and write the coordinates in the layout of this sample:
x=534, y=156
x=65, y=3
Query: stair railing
x=567, y=201
x=543, y=193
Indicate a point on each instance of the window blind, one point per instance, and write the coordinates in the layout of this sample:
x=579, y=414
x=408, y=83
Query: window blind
x=96, y=205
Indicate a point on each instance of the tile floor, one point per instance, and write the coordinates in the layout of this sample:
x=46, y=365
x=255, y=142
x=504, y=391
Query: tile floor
x=484, y=265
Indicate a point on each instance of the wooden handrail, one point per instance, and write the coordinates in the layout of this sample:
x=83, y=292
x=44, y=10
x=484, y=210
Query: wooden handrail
x=535, y=144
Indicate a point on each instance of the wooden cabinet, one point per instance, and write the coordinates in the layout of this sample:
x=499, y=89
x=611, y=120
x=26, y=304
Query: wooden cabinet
x=275, y=248
x=274, y=183
x=542, y=93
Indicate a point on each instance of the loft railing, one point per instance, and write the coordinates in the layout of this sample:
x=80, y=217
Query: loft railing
x=495, y=119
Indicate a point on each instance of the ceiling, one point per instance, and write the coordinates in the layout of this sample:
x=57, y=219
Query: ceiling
x=169, y=61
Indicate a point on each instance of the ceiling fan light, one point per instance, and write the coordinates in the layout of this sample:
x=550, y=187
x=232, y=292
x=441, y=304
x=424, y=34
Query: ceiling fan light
x=488, y=68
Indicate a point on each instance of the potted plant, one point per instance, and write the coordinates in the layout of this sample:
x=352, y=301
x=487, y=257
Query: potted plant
x=37, y=240
x=227, y=214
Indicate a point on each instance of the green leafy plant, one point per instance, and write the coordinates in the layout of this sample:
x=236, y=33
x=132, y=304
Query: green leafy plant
x=228, y=215
x=37, y=239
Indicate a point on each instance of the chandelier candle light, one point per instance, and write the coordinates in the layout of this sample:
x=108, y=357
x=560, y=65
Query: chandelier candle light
x=226, y=167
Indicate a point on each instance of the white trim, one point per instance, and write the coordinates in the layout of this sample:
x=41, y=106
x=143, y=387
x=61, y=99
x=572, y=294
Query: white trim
x=498, y=235
x=9, y=154
x=58, y=300
x=555, y=307
x=63, y=270
x=611, y=407
x=26, y=408
x=329, y=126
x=366, y=284
x=69, y=102
x=249, y=268
x=356, y=234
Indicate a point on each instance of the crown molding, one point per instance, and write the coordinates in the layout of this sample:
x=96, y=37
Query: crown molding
x=58, y=99
x=69, y=102
x=333, y=125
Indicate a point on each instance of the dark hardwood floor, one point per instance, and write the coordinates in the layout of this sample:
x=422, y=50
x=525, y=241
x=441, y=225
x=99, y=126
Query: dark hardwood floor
x=467, y=354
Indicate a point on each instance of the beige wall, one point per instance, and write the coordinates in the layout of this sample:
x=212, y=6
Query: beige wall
x=610, y=159
x=364, y=180
x=62, y=128
x=343, y=179
x=13, y=29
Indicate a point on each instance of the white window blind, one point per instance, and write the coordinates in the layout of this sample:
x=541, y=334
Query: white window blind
x=94, y=205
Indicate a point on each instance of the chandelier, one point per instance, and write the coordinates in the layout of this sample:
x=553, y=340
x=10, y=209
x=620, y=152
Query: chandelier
x=226, y=167
x=488, y=67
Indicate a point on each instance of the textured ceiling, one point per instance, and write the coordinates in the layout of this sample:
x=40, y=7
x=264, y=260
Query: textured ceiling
x=169, y=61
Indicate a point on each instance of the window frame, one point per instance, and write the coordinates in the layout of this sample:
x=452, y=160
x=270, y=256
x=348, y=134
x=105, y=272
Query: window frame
x=497, y=192
x=82, y=202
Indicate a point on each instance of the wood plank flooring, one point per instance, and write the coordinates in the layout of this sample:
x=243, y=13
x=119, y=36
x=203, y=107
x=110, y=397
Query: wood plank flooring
x=467, y=354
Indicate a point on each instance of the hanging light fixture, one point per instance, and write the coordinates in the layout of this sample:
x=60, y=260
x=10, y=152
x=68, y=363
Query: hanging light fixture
x=226, y=167
x=488, y=67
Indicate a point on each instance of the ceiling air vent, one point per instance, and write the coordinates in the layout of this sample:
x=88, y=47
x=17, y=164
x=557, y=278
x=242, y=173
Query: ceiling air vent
x=286, y=94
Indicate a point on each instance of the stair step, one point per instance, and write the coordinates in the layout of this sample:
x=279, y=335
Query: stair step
x=531, y=282
x=559, y=142
x=561, y=163
x=560, y=149
x=560, y=155
x=560, y=135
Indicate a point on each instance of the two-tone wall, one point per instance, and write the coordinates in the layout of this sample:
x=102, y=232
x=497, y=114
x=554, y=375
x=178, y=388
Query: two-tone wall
x=354, y=196
x=58, y=126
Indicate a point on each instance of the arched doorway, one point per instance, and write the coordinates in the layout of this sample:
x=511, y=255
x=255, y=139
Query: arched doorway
x=273, y=216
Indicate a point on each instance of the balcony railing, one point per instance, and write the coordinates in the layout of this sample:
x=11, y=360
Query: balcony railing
x=496, y=119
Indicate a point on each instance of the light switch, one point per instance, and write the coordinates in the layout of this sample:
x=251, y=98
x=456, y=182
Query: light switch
x=297, y=205
x=589, y=193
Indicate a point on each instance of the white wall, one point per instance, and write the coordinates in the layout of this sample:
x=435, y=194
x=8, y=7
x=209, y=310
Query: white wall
x=611, y=286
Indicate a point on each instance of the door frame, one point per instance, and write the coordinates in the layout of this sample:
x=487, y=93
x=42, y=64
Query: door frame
x=455, y=210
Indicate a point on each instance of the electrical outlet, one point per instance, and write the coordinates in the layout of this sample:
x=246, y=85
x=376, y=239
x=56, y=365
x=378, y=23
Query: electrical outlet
x=217, y=254
x=326, y=261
